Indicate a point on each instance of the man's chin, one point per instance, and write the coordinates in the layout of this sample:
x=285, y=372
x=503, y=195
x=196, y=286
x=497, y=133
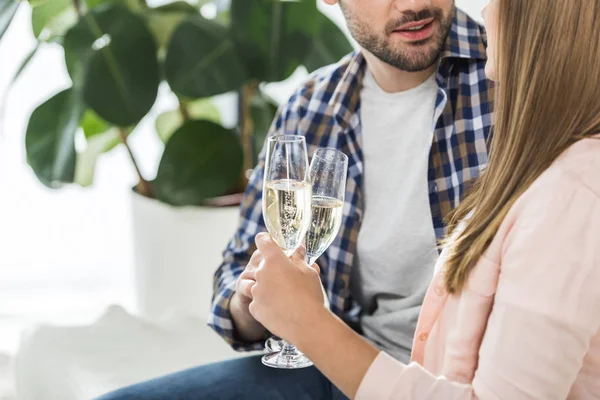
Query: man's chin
x=414, y=61
x=425, y=43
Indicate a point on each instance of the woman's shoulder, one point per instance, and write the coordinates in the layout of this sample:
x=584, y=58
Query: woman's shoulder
x=576, y=170
x=566, y=195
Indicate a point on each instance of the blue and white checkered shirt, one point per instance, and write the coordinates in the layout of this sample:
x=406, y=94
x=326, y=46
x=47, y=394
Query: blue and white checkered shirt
x=326, y=110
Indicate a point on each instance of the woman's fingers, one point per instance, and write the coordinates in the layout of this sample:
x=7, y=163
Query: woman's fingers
x=316, y=268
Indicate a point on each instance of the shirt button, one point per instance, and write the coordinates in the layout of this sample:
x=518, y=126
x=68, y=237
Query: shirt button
x=439, y=290
x=423, y=336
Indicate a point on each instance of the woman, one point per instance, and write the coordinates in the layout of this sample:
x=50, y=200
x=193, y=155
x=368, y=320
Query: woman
x=514, y=308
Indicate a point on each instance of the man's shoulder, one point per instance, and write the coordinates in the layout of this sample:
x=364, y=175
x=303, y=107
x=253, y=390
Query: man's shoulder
x=318, y=88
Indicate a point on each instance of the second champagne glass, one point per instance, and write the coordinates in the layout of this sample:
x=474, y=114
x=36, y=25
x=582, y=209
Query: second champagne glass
x=286, y=211
x=328, y=170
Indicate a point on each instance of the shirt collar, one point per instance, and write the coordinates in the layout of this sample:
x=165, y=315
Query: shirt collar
x=466, y=39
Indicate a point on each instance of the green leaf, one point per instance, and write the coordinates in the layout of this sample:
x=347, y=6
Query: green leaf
x=100, y=137
x=200, y=161
x=162, y=21
x=133, y=5
x=273, y=37
x=50, y=138
x=24, y=63
x=329, y=46
x=35, y=3
x=8, y=8
x=224, y=17
x=167, y=123
x=201, y=60
x=203, y=109
x=55, y=16
x=199, y=3
x=111, y=57
x=93, y=125
x=262, y=110
x=96, y=145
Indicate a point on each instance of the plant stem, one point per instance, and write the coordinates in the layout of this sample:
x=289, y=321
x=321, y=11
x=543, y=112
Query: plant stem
x=78, y=8
x=143, y=187
x=184, y=111
x=247, y=124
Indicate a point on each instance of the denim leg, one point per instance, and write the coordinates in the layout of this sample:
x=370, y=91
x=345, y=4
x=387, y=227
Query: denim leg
x=244, y=378
x=336, y=394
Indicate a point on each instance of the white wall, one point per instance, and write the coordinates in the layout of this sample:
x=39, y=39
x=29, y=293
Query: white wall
x=64, y=254
x=472, y=7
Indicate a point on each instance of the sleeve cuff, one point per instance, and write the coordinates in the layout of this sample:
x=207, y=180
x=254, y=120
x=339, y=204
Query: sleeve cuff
x=379, y=381
x=221, y=321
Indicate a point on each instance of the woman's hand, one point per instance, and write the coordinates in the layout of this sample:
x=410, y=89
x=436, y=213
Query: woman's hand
x=287, y=295
x=287, y=299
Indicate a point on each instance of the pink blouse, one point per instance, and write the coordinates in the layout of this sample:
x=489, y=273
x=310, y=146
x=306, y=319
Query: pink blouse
x=527, y=325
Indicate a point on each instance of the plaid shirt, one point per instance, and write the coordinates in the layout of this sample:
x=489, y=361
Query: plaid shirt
x=326, y=110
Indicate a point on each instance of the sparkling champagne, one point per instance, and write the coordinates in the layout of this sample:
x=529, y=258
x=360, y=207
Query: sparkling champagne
x=287, y=212
x=325, y=223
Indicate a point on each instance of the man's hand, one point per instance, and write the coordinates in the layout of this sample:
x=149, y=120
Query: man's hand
x=247, y=279
x=246, y=327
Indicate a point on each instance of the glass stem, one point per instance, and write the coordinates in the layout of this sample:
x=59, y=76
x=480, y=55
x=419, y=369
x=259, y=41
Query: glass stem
x=288, y=349
x=310, y=261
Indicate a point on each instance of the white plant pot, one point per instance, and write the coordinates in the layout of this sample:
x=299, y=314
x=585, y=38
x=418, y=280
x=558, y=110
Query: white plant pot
x=177, y=250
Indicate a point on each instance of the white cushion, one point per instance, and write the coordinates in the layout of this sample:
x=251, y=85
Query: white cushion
x=79, y=363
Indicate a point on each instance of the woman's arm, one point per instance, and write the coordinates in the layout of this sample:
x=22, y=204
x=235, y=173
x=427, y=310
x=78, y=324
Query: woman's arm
x=361, y=371
x=341, y=354
x=546, y=312
x=288, y=301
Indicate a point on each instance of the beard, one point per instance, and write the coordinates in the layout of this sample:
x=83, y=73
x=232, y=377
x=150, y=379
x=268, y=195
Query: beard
x=410, y=57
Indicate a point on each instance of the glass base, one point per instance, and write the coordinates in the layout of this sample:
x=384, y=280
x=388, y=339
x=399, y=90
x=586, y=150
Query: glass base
x=274, y=344
x=281, y=360
x=283, y=355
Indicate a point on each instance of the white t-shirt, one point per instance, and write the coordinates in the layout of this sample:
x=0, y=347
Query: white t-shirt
x=396, y=243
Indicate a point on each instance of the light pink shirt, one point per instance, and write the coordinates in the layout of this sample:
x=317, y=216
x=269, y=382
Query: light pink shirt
x=527, y=325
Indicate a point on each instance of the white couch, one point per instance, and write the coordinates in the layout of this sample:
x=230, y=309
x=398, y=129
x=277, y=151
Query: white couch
x=79, y=363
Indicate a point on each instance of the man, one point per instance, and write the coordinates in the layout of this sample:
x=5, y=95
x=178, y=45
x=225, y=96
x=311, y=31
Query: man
x=412, y=110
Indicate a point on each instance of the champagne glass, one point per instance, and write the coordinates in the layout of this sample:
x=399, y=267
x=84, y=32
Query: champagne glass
x=328, y=170
x=286, y=211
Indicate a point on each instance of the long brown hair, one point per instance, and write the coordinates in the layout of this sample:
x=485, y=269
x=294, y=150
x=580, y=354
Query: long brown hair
x=547, y=98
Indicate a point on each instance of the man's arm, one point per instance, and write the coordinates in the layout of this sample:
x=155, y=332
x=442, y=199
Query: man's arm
x=246, y=328
x=229, y=316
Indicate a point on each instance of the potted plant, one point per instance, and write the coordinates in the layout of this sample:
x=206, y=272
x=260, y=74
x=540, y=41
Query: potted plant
x=117, y=53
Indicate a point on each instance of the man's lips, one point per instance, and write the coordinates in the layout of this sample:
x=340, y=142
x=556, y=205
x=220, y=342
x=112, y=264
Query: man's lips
x=414, y=24
x=415, y=31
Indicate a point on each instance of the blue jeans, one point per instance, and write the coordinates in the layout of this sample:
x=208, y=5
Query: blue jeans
x=244, y=378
